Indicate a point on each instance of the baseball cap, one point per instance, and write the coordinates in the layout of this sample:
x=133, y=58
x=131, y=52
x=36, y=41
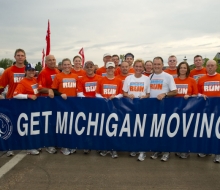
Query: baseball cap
x=29, y=66
x=110, y=64
x=107, y=54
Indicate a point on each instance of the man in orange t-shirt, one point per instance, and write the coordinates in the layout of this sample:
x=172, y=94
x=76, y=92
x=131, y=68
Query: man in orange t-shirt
x=102, y=70
x=199, y=71
x=172, y=61
x=45, y=80
x=47, y=75
x=124, y=68
x=87, y=85
x=14, y=74
x=129, y=58
x=209, y=86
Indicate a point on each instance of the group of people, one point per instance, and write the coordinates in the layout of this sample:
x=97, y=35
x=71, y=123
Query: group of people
x=131, y=79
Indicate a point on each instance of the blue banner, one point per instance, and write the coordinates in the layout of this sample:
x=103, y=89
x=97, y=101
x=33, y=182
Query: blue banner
x=170, y=125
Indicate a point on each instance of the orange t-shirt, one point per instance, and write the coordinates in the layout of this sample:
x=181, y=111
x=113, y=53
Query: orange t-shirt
x=79, y=73
x=171, y=72
x=186, y=86
x=65, y=84
x=27, y=86
x=108, y=87
x=209, y=85
x=88, y=85
x=11, y=77
x=102, y=71
x=122, y=78
x=46, y=77
x=130, y=72
x=196, y=74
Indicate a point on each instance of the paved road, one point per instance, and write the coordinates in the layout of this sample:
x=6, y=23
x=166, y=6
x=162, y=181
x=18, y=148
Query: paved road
x=80, y=171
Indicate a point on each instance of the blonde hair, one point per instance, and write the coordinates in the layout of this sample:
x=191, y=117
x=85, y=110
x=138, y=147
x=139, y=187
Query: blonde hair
x=139, y=61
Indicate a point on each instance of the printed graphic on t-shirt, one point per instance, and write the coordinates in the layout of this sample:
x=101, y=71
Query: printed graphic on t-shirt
x=156, y=84
x=18, y=77
x=137, y=86
x=182, y=88
x=90, y=86
x=109, y=89
x=69, y=83
x=196, y=77
x=104, y=74
x=212, y=86
x=52, y=77
x=35, y=88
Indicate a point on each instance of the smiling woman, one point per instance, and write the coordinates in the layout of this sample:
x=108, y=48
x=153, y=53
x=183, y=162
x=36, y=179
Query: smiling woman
x=28, y=89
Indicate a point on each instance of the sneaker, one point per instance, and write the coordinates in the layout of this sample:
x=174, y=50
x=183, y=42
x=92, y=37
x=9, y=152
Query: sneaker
x=72, y=151
x=114, y=154
x=104, y=153
x=217, y=158
x=86, y=151
x=201, y=155
x=155, y=155
x=133, y=154
x=184, y=155
x=51, y=150
x=33, y=152
x=10, y=153
x=39, y=149
x=165, y=156
x=141, y=156
x=65, y=151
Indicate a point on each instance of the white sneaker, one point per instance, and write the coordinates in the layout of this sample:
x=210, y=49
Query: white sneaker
x=165, y=156
x=65, y=151
x=184, y=155
x=141, y=156
x=104, y=153
x=217, y=158
x=33, y=152
x=155, y=155
x=51, y=150
x=133, y=154
x=10, y=153
x=114, y=154
x=72, y=151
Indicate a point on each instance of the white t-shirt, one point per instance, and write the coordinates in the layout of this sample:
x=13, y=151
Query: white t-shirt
x=136, y=86
x=161, y=83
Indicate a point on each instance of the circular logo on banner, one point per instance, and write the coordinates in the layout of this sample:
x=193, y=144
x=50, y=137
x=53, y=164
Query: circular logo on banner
x=6, y=127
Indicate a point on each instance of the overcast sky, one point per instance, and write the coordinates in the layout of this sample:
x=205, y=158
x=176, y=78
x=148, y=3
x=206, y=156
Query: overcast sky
x=146, y=28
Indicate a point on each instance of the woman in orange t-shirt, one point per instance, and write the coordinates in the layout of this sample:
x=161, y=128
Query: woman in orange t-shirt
x=64, y=85
x=186, y=86
x=77, y=68
x=28, y=88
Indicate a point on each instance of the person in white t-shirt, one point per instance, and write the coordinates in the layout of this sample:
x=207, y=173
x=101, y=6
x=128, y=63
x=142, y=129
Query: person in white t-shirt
x=161, y=85
x=137, y=86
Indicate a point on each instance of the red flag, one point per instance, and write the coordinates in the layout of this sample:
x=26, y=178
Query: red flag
x=43, y=56
x=81, y=52
x=48, y=39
